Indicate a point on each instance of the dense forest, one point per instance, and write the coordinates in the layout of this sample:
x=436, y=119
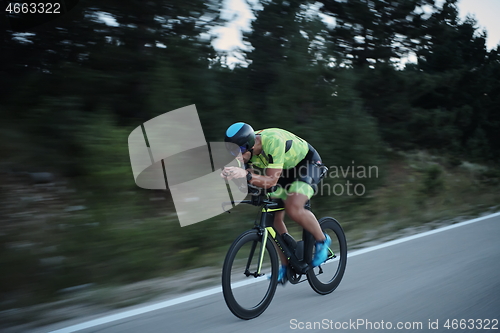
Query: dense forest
x=402, y=75
x=65, y=75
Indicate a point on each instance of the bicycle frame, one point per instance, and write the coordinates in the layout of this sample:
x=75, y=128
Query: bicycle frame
x=265, y=228
x=251, y=302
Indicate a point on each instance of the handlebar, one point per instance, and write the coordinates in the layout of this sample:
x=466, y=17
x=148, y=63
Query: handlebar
x=259, y=196
x=259, y=200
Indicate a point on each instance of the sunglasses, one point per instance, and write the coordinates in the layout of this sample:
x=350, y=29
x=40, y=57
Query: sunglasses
x=235, y=150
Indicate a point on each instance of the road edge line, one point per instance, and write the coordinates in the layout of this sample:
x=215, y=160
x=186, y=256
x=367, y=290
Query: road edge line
x=215, y=290
x=420, y=235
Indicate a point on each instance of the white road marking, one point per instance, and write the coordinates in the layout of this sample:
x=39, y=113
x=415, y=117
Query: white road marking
x=423, y=234
x=212, y=291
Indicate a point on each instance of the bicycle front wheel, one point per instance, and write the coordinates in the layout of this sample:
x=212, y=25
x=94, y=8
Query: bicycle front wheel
x=248, y=290
x=325, y=278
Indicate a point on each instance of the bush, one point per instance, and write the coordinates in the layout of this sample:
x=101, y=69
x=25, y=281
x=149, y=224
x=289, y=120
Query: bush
x=433, y=180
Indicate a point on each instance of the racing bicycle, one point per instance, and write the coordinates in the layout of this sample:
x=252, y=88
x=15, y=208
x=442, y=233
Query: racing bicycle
x=250, y=270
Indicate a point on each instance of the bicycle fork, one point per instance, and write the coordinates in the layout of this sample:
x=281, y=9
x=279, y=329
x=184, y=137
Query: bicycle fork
x=262, y=251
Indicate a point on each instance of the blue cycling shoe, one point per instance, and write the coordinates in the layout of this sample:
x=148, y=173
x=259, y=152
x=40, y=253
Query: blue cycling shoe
x=321, y=253
x=282, y=278
x=282, y=274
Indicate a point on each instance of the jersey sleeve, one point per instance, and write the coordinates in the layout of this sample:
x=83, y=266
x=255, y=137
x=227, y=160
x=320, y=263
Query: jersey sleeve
x=275, y=149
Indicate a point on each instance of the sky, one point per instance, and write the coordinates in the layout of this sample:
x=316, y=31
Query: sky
x=486, y=12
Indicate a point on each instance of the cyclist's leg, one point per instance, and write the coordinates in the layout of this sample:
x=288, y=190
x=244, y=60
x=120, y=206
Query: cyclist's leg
x=280, y=227
x=279, y=195
x=308, y=175
x=279, y=213
x=279, y=224
x=310, y=172
x=294, y=207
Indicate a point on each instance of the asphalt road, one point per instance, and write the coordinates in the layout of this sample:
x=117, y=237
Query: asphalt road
x=453, y=274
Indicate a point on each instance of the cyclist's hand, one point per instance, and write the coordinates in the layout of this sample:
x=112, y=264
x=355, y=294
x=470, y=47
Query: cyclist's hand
x=233, y=173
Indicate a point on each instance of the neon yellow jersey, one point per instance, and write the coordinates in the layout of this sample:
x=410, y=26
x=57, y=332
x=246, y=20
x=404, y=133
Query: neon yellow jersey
x=280, y=149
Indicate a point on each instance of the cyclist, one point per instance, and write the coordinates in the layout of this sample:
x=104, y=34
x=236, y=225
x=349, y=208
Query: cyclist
x=289, y=162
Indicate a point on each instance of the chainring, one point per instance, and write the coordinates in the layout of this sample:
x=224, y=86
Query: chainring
x=292, y=276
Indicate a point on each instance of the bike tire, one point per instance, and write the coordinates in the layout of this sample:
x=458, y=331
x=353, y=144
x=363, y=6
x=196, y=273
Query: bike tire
x=246, y=296
x=334, y=268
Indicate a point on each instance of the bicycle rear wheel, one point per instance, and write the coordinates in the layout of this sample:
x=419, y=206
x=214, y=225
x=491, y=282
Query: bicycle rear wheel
x=247, y=291
x=325, y=278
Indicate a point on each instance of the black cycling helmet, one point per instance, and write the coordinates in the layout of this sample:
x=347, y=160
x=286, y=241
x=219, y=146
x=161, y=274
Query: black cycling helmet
x=242, y=135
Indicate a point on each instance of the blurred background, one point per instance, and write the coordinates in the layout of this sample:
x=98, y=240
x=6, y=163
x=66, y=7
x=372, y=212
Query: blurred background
x=408, y=87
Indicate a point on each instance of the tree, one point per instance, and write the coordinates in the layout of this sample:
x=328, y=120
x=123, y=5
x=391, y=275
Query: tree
x=89, y=65
x=270, y=36
x=447, y=43
x=370, y=32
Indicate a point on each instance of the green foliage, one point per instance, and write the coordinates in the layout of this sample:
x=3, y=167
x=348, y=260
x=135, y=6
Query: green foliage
x=433, y=181
x=75, y=88
x=453, y=161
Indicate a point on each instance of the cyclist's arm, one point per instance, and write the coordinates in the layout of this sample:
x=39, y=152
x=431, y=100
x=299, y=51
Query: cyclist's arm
x=264, y=181
x=268, y=180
